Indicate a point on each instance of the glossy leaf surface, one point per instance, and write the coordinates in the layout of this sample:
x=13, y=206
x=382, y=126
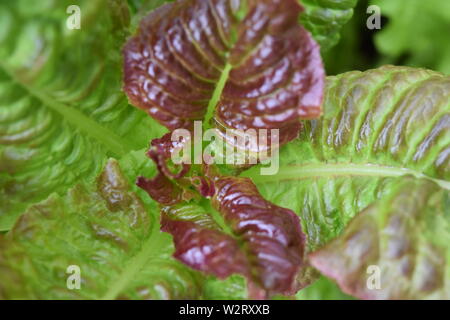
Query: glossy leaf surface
x=110, y=231
x=246, y=235
x=378, y=125
x=397, y=248
x=62, y=112
x=245, y=64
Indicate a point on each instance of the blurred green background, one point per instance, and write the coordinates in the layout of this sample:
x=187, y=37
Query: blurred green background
x=413, y=32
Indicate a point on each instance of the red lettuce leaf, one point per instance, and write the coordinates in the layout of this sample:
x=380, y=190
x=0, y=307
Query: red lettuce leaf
x=260, y=240
x=271, y=235
x=183, y=51
x=161, y=151
x=238, y=64
x=201, y=244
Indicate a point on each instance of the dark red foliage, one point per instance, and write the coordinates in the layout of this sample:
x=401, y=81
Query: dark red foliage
x=205, y=249
x=172, y=67
x=272, y=235
x=161, y=189
x=174, y=62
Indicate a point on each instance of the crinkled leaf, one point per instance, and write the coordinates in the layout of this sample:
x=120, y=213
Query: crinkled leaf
x=403, y=239
x=106, y=230
x=378, y=125
x=271, y=234
x=112, y=234
x=246, y=64
x=325, y=18
x=251, y=236
x=62, y=111
x=201, y=244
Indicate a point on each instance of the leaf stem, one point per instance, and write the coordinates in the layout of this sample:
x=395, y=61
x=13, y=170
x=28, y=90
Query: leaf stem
x=216, y=96
x=307, y=171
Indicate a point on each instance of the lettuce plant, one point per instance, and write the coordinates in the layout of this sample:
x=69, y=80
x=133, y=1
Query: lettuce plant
x=364, y=173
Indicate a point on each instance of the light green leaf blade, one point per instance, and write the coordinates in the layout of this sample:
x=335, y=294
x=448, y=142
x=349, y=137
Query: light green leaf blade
x=112, y=234
x=106, y=230
x=377, y=125
x=110, y=230
x=232, y=288
x=62, y=110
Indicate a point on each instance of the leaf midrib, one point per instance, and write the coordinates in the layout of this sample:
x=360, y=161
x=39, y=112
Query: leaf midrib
x=317, y=170
x=150, y=249
x=108, y=138
x=216, y=95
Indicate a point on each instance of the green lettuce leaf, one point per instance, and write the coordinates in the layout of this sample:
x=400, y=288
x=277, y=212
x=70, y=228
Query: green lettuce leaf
x=198, y=60
x=416, y=32
x=62, y=111
x=325, y=18
x=377, y=125
x=112, y=235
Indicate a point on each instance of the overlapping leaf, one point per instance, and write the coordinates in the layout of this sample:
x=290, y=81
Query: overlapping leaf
x=378, y=125
x=103, y=229
x=112, y=235
x=322, y=18
x=62, y=110
x=270, y=233
x=250, y=236
x=397, y=248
